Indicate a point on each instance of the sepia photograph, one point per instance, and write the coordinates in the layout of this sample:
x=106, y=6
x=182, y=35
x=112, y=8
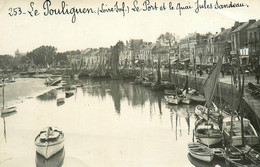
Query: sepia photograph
x=129, y=83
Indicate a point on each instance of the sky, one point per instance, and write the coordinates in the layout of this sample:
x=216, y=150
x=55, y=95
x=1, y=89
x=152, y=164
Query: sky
x=26, y=32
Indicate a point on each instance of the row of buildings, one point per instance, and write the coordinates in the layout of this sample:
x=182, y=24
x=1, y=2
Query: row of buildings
x=241, y=42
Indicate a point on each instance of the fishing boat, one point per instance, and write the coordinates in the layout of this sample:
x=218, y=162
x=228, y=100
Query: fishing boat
x=201, y=152
x=186, y=99
x=169, y=91
x=250, y=135
x=206, y=130
x=235, y=156
x=53, y=82
x=239, y=135
x=49, y=141
x=207, y=133
x=173, y=99
x=6, y=111
x=146, y=83
x=197, y=97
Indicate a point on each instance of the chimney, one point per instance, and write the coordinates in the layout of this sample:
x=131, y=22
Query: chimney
x=252, y=21
x=236, y=24
x=222, y=29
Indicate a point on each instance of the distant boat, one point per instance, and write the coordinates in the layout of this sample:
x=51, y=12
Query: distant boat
x=49, y=142
x=201, y=152
x=8, y=110
x=186, y=99
x=69, y=94
x=197, y=97
x=61, y=100
x=10, y=80
x=146, y=83
x=53, y=82
x=173, y=99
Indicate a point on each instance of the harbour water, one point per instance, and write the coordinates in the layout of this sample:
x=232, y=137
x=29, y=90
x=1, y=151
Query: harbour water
x=105, y=122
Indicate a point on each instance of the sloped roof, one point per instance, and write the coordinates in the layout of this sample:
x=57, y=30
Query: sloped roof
x=239, y=28
x=150, y=47
x=255, y=25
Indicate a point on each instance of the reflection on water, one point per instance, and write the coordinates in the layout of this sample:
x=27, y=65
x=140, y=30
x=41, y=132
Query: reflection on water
x=51, y=95
x=108, y=123
x=54, y=161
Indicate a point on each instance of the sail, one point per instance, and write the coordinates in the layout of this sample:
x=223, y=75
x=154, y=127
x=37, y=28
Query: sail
x=211, y=82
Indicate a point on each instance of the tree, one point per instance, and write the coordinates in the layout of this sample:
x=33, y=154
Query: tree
x=115, y=51
x=6, y=62
x=42, y=55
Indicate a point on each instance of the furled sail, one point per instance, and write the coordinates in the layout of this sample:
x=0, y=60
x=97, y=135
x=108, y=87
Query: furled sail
x=211, y=82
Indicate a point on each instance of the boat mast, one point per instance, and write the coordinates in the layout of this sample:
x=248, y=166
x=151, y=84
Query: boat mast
x=240, y=109
x=194, y=61
x=3, y=92
x=232, y=102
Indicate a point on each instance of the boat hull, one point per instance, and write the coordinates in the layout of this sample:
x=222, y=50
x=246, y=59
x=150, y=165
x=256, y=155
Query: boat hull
x=206, y=158
x=49, y=142
x=171, y=100
x=201, y=152
x=186, y=100
x=198, y=98
x=47, y=150
x=8, y=110
x=209, y=140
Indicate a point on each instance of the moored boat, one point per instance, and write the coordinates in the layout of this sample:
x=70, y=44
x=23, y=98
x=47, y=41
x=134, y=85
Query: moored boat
x=49, y=141
x=186, y=99
x=173, y=99
x=53, y=82
x=60, y=100
x=250, y=134
x=69, y=94
x=207, y=133
x=201, y=152
x=8, y=110
x=197, y=97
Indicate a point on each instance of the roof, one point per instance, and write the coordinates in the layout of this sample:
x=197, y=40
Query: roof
x=149, y=47
x=255, y=25
x=239, y=28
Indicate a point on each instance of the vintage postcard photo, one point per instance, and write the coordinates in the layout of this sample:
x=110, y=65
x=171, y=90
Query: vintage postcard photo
x=129, y=83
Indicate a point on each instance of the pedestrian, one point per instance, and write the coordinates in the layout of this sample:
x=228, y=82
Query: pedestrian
x=222, y=72
x=201, y=72
x=220, y=121
x=235, y=78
